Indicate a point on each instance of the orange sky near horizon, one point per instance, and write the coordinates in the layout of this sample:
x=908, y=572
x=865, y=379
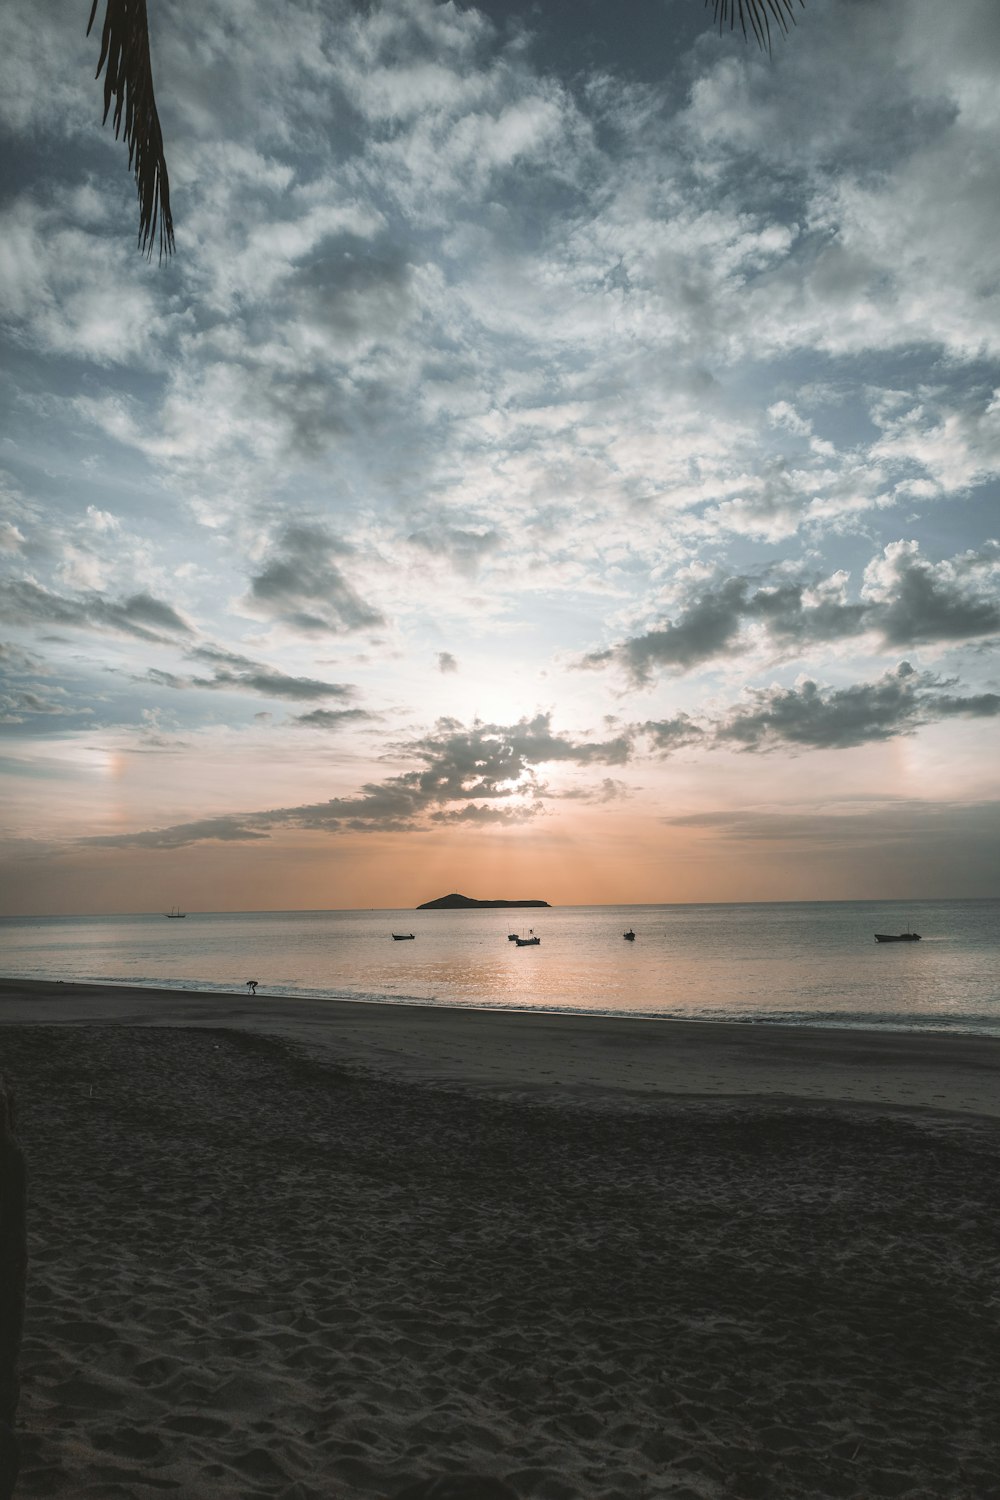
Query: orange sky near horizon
x=594, y=857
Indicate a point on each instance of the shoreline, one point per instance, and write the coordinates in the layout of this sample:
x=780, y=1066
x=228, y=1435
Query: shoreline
x=563, y=1058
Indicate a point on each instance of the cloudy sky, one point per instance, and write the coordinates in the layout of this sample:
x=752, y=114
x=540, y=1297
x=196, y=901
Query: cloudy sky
x=561, y=459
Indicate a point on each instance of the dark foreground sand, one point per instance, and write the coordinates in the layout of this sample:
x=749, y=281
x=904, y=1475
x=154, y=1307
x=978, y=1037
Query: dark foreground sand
x=309, y=1267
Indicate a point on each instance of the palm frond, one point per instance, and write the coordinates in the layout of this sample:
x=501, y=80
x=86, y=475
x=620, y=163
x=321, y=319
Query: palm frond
x=128, y=81
x=758, y=13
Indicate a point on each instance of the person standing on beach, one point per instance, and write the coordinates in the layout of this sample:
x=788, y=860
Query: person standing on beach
x=252, y=986
x=13, y=1273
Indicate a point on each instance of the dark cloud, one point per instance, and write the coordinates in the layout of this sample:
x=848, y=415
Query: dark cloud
x=978, y=706
x=484, y=760
x=934, y=605
x=241, y=674
x=331, y=718
x=667, y=735
x=906, y=601
x=482, y=815
x=446, y=662
x=458, y=768
x=138, y=615
x=708, y=626
x=354, y=289
x=795, y=619
x=810, y=717
x=866, y=712
x=221, y=830
x=844, y=717
x=302, y=585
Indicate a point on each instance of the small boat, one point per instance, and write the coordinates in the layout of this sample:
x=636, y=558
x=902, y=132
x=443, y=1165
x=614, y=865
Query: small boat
x=512, y=937
x=528, y=942
x=402, y=937
x=629, y=936
x=174, y=913
x=897, y=937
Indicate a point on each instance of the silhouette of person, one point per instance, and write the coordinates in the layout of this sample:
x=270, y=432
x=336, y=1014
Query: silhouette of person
x=252, y=986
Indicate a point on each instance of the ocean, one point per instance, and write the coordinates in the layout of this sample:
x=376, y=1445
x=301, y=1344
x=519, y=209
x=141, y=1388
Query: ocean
x=813, y=963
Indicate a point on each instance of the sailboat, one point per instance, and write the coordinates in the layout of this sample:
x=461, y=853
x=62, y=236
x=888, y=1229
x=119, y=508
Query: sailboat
x=175, y=912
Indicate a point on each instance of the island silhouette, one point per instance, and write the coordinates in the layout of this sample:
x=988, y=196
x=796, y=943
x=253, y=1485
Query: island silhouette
x=455, y=902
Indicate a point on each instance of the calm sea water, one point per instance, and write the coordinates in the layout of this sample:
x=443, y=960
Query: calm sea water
x=811, y=962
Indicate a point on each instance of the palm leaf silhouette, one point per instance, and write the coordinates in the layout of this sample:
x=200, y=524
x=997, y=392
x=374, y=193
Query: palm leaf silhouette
x=128, y=81
x=758, y=13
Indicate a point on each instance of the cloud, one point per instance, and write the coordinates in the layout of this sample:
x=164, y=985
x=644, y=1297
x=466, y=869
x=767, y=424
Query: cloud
x=352, y=289
x=302, y=585
x=668, y=735
x=482, y=815
x=230, y=670
x=266, y=683
x=807, y=716
x=705, y=628
x=70, y=289
x=224, y=830
x=904, y=601
x=609, y=790
x=17, y=661
x=446, y=662
x=139, y=615
x=331, y=718
x=464, y=549
x=915, y=602
x=962, y=832
x=941, y=442
x=459, y=774
x=20, y=703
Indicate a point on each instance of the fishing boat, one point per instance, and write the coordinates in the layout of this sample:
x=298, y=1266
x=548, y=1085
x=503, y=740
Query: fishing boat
x=174, y=913
x=897, y=937
x=629, y=936
x=512, y=937
x=528, y=942
x=402, y=937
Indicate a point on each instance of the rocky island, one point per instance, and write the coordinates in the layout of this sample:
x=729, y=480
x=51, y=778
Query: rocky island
x=455, y=902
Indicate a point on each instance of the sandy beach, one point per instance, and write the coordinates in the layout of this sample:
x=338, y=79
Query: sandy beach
x=308, y=1249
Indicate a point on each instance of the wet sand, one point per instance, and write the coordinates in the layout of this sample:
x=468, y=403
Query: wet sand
x=279, y=1251
x=593, y=1061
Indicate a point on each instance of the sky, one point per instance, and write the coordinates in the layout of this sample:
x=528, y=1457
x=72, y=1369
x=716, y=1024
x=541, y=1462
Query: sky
x=560, y=461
